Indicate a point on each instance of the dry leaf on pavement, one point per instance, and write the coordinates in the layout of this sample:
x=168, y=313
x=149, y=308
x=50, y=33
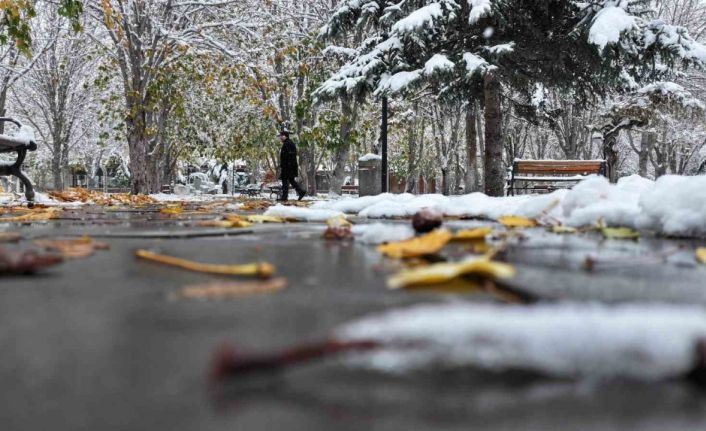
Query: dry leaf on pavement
x=263, y=270
x=446, y=272
x=619, y=233
x=477, y=234
x=9, y=237
x=234, y=289
x=701, y=254
x=517, y=222
x=430, y=243
x=38, y=215
x=72, y=248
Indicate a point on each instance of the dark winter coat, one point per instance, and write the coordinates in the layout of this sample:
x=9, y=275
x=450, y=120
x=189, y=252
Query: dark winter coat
x=289, y=167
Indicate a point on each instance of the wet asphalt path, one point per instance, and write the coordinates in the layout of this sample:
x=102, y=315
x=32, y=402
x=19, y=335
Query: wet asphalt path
x=96, y=344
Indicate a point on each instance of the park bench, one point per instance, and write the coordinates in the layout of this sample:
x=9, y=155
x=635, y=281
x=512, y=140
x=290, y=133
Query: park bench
x=252, y=190
x=349, y=189
x=542, y=176
x=19, y=144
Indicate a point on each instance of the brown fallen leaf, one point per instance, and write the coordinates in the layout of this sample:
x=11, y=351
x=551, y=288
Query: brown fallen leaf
x=9, y=237
x=235, y=289
x=26, y=262
x=517, y=222
x=72, y=248
x=262, y=270
x=430, y=243
x=99, y=198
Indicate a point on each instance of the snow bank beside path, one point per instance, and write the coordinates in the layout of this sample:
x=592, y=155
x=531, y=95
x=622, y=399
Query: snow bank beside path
x=674, y=205
x=565, y=340
x=305, y=214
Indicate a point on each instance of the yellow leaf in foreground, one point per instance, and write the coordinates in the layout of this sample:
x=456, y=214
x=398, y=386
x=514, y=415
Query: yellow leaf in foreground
x=231, y=221
x=701, y=254
x=473, y=234
x=445, y=272
x=264, y=270
x=265, y=219
x=221, y=290
x=563, y=229
x=430, y=243
x=517, y=222
x=620, y=233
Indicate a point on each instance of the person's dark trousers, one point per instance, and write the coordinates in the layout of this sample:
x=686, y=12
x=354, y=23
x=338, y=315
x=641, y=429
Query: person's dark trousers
x=285, y=187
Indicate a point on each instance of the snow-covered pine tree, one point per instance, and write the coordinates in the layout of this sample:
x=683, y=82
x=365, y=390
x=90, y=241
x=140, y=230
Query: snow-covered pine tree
x=472, y=49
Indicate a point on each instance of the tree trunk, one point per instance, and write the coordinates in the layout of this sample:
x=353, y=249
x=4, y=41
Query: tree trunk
x=341, y=153
x=471, y=178
x=646, y=142
x=494, y=173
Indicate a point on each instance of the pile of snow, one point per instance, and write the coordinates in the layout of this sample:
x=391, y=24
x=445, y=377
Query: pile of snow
x=673, y=205
x=643, y=341
x=304, y=214
x=380, y=233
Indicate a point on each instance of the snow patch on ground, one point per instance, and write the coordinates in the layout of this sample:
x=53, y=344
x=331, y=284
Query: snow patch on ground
x=673, y=205
x=563, y=340
x=304, y=214
x=379, y=233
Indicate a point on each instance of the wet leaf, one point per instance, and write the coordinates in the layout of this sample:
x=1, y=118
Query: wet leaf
x=225, y=290
x=72, y=248
x=445, y=272
x=229, y=221
x=517, y=222
x=99, y=198
x=9, y=237
x=265, y=219
x=339, y=221
x=430, y=243
x=701, y=254
x=338, y=233
x=563, y=229
x=172, y=210
x=619, y=233
x=473, y=234
x=38, y=215
x=263, y=270
x=26, y=262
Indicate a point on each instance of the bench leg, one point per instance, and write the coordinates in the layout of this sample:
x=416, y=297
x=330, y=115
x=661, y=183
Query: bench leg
x=15, y=170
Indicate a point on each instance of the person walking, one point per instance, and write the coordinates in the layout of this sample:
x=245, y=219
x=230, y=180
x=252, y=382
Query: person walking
x=289, y=167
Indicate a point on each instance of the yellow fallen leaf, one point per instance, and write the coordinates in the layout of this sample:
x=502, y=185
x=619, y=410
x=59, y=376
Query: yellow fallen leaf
x=39, y=215
x=517, y=222
x=563, y=229
x=264, y=219
x=221, y=290
x=172, y=210
x=264, y=270
x=338, y=222
x=430, y=243
x=701, y=254
x=473, y=234
x=446, y=272
x=619, y=233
